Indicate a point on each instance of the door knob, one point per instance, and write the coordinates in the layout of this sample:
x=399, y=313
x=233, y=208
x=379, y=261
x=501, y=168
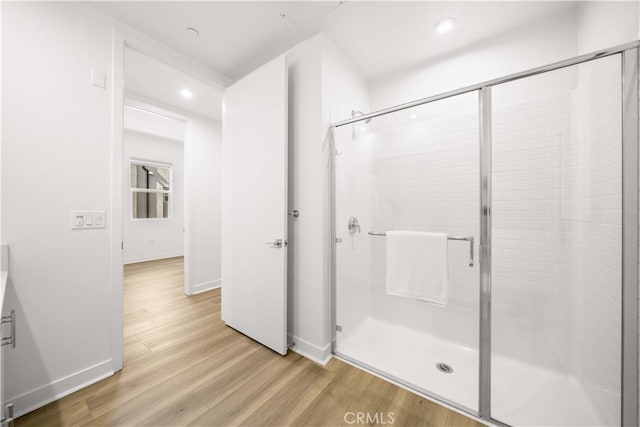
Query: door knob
x=294, y=213
x=278, y=243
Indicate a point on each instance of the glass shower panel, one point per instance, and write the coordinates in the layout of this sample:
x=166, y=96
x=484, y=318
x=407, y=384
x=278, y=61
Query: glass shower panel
x=413, y=170
x=557, y=247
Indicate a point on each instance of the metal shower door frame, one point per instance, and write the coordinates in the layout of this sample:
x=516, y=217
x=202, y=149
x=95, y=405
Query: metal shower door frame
x=630, y=140
x=629, y=55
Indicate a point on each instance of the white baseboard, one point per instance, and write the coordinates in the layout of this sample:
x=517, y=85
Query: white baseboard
x=46, y=394
x=320, y=355
x=151, y=258
x=205, y=286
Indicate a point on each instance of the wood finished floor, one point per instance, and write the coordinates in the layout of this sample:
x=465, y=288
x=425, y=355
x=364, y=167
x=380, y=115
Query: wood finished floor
x=183, y=366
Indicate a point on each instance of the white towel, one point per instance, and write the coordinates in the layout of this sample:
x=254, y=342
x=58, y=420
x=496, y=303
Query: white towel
x=417, y=266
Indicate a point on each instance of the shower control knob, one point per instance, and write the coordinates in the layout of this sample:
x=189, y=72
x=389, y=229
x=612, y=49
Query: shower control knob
x=353, y=225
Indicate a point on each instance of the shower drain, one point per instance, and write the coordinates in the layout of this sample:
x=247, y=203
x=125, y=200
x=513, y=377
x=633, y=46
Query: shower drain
x=443, y=367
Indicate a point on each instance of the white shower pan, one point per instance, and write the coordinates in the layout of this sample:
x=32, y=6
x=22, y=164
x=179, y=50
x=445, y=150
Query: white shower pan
x=524, y=395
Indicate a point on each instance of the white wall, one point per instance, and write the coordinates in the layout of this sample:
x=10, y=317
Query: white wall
x=538, y=44
x=306, y=275
x=603, y=24
x=149, y=239
x=323, y=86
x=55, y=158
x=204, y=222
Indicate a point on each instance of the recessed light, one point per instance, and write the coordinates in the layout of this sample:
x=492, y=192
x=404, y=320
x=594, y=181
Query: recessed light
x=186, y=94
x=193, y=32
x=363, y=128
x=445, y=25
x=413, y=116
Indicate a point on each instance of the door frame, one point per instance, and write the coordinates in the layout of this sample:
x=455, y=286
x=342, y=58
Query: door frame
x=124, y=37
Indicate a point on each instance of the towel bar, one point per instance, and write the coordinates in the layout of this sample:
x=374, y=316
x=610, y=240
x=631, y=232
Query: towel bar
x=463, y=238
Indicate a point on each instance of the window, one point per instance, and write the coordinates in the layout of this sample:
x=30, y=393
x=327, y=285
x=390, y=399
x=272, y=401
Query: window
x=150, y=190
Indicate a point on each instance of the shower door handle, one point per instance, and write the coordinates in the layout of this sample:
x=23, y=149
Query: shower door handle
x=278, y=243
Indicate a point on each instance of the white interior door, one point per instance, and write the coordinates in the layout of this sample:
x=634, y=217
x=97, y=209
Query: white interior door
x=254, y=206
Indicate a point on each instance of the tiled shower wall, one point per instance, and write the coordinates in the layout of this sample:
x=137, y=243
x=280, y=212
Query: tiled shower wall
x=592, y=211
x=426, y=178
x=557, y=232
x=404, y=174
x=528, y=254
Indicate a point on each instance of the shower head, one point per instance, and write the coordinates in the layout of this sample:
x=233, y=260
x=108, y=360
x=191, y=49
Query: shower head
x=357, y=113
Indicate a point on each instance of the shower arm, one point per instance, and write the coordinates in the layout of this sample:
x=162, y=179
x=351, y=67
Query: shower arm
x=463, y=238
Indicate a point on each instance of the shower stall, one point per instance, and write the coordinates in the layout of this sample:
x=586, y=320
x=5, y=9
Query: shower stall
x=534, y=179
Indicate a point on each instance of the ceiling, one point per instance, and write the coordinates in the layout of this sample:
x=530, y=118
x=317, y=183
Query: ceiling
x=380, y=37
x=148, y=78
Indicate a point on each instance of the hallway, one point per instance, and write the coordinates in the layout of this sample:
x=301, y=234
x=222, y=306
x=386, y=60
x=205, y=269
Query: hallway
x=183, y=366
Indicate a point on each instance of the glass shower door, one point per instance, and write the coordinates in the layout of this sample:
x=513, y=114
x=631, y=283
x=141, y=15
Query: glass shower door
x=557, y=247
x=413, y=170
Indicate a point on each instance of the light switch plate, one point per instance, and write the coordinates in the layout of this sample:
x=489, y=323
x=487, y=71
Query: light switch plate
x=98, y=78
x=77, y=219
x=84, y=220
